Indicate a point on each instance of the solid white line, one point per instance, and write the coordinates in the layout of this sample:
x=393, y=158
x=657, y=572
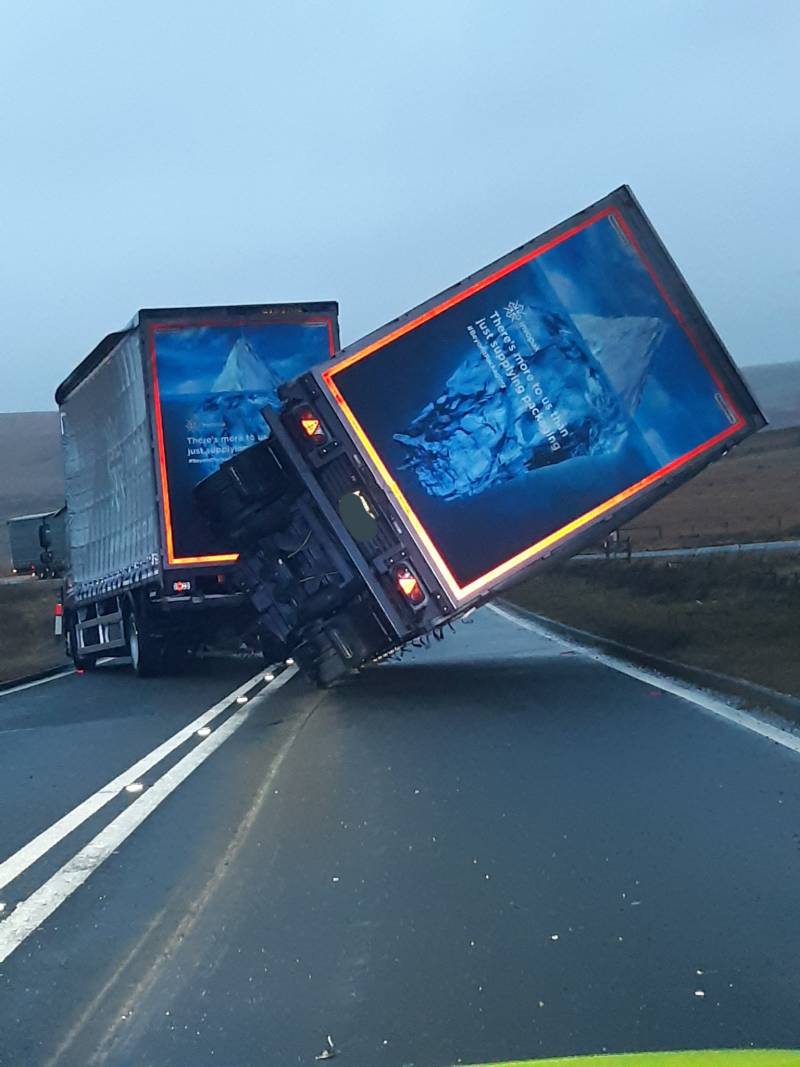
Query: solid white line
x=677, y=689
x=39, y=681
x=12, y=867
x=32, y=912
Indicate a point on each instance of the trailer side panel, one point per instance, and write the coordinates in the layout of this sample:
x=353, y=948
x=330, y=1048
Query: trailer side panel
x=112, y=517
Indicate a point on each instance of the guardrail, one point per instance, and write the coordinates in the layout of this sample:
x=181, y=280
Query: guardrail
x=700, y=550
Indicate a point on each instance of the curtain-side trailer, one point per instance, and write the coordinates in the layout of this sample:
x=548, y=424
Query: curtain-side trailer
x=151, y=411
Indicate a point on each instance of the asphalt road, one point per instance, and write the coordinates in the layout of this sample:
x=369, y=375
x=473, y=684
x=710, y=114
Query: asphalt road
x=494, y=849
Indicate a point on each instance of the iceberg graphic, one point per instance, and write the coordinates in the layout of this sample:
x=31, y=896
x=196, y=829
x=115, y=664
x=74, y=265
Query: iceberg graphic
x=577, y=399
x=229, y=417
x=244, y=371
x=624, y=347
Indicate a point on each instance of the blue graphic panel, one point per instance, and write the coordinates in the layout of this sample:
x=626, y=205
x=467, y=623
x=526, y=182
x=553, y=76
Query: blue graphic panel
x=213, y=383
x=535, y=399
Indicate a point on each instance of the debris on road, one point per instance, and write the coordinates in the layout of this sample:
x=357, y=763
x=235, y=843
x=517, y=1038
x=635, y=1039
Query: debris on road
x=329, y=1051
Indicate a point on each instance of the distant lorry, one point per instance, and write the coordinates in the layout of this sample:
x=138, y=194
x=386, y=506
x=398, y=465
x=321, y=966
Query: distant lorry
x=152, y=410
x=28, y=553
x=53, y=544
x=502, y=426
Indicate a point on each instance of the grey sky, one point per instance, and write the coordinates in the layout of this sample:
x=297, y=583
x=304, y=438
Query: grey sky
x=158, y=153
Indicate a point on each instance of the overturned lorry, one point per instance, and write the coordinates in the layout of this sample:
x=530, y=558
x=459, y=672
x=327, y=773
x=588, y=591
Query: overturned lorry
x=152, y=410
x=501, y=426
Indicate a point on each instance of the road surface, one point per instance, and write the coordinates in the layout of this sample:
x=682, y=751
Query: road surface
x=494, y=849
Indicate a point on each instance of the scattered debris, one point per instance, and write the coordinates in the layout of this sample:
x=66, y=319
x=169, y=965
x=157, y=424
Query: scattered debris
x=329, y=1051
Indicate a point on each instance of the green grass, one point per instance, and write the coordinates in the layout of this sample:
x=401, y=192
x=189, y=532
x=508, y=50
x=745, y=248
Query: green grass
x=733, y=614
x=27, y=644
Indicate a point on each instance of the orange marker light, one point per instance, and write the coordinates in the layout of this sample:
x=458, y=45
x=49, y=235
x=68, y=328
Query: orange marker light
x=312, y=427
x=408, y=584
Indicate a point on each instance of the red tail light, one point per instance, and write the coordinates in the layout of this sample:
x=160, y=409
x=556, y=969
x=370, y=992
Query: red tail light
x=408, y=584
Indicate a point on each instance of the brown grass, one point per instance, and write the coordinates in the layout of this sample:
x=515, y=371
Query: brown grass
x=733, y=614
x=27, y=644
x=752, y=494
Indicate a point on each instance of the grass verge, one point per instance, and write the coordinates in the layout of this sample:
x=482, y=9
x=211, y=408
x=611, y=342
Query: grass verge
x=735, y=615
x=27, y=644
x=749, y=495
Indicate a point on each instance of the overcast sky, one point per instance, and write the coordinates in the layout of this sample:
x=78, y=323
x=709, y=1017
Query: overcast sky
x=180, y=153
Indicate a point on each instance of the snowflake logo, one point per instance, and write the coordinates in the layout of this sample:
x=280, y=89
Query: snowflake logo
x=192, y=425
x=515, y=311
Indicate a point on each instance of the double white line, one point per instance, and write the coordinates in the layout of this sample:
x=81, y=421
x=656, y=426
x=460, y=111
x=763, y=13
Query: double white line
x=32, y=912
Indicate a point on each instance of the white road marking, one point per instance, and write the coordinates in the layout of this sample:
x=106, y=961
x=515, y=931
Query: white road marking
x=39, y=681
x=194, y=911
x=677, y=689
x=29, y=915
x=14, y=866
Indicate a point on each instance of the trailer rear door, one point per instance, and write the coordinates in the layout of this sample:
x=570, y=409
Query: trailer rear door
x=567, y=382
x=212, y=373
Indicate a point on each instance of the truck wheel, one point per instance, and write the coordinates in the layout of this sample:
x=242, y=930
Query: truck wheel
x=319, y=659
x=175, y=656
x=272, y=648
x=146, y=654
x=86, y=662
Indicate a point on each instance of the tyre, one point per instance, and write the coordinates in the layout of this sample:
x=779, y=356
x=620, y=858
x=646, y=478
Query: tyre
x=319, y=659
x=146, y=652
x=272, y=648
x=234, y=497
x=175, y=657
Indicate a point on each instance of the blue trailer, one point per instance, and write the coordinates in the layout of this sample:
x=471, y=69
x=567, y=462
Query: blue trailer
x=499, y=427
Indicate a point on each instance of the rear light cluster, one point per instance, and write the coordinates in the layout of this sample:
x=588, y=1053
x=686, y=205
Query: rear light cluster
x=181, y=587
x=409, y=585
x=311, y=426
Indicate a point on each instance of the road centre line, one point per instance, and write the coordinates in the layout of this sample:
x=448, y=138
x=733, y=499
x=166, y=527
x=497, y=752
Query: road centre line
x=23, y=858
x=29, y=915
x=677, y=689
